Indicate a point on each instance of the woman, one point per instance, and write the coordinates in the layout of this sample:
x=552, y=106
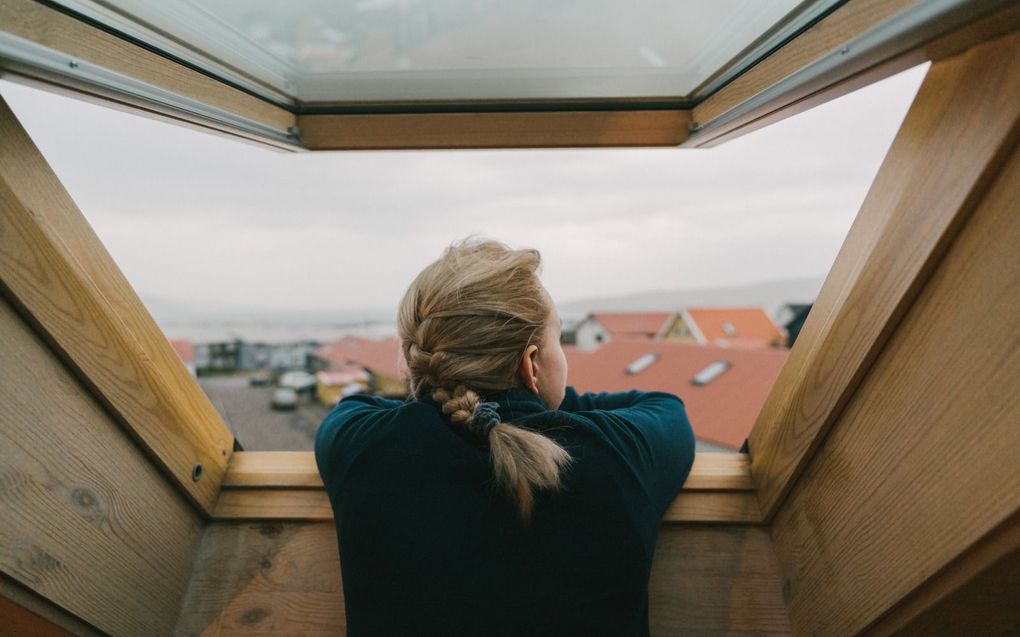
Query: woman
x=497, y=501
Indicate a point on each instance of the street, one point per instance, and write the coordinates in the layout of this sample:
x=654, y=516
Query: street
x=255, y=424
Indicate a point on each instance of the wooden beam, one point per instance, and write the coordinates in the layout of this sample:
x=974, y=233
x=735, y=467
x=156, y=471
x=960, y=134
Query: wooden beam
x=910, y=508
x=960, y=129
x=87, y=522
x=494, y=130
x=285, y=485
x=86, y=44
x=849, y=21
x=59, y=274
x=828, y=36
x=711, y=471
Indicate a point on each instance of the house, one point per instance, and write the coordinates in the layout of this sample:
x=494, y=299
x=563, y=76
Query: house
x=792, y=316
x=723, y=388
x=186, y=351
x=332, y=385
x=381, y=358
x=601, y=327
x=726, y=327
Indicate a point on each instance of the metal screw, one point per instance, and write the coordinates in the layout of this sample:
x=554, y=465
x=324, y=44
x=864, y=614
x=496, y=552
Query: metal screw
x=844, y=50
x=196, y=472
x=73, y=64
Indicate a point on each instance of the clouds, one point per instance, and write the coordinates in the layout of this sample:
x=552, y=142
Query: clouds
x=195, y=216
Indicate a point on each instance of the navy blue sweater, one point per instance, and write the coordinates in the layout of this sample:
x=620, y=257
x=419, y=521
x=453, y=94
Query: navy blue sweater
x=429, y=546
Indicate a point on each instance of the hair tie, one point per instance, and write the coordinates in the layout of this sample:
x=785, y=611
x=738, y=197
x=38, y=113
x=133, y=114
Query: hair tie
x=486, y=417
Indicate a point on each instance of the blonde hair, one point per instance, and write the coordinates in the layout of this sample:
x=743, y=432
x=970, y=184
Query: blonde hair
x=464, y=324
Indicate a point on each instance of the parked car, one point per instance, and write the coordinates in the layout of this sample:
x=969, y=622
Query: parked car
x=284, y=398
x=297, y=380
x=260, y=379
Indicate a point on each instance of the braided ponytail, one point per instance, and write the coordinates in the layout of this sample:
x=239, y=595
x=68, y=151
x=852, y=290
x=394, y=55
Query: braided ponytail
x=522, y=460
x=465, y=321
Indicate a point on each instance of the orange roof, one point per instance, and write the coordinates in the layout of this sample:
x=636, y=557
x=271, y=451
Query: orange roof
x=343, y=375
x=735, y=326
x=382, y=357
x=184, y=349
x=722, y=411
x=631, y=324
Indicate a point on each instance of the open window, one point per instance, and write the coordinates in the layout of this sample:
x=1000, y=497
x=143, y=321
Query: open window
x=802, y=533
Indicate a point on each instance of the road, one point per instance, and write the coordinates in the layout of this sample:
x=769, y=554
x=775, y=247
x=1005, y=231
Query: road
x=255, y=424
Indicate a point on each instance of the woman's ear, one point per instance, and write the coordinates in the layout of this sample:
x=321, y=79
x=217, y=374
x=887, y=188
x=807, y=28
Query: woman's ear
x=528, y=371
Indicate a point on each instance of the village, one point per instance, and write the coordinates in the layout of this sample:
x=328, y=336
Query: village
x=274, y=387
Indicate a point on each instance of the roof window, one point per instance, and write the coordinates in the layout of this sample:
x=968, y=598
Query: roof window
x=714, y=370
x=642, y=363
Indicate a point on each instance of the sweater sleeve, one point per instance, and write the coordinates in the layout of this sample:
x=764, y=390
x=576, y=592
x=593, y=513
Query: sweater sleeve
x=650, y=430
x=343, y=429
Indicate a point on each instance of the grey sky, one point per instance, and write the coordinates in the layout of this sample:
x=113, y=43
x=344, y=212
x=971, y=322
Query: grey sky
x=201, y=218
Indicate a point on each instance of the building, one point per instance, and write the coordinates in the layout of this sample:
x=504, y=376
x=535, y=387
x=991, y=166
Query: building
x=792, y=316
x=332, y=385
x=726, y=327
x=723, y=388
x=601, y=327
x=381, y=358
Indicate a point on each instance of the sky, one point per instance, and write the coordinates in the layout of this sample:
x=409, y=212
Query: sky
x=204, y=219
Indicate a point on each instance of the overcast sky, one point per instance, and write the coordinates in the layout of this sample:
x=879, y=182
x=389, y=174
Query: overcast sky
x=198, y=217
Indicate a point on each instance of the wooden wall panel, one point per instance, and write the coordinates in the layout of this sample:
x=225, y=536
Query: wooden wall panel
x=952, y=144
x=710, y=581
x=922, y=464
x=56, y=268
x=265, y=578
x=86, y=520
x=268, y=578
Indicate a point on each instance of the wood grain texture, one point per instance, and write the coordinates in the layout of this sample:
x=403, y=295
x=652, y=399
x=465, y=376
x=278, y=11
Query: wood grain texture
x=953, y=141
x=265, y=579
x=494, y=130
x=690, y=507
x=835, y=84
x=272, y=469
x=979, y=588
x=56, y=268
x=285, y=485
x=710, y=581
x=284, y=578
x=86, y=520
x=86, y=44
x=711, y=471
x=921, y=466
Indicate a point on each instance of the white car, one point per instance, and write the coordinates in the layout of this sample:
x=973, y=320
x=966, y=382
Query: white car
x=284, y=398
x=298, y=381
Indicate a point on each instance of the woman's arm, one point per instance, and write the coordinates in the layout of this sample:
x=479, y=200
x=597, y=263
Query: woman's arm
x=651, y=432
x=573, y=402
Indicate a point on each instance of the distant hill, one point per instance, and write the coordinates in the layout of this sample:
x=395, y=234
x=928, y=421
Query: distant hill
x=770, y=295
x=169, y=311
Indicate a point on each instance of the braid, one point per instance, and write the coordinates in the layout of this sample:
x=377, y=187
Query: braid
x=460, y=404
x=465, y=320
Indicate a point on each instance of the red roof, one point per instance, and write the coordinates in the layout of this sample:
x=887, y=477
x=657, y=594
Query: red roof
x=736, y=326
x=631, y=324
x=382, y=357
x=722, y=412
x=184, y=349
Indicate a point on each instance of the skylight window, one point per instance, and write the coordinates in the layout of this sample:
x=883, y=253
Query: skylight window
x=714, y=370
x=642, y=363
